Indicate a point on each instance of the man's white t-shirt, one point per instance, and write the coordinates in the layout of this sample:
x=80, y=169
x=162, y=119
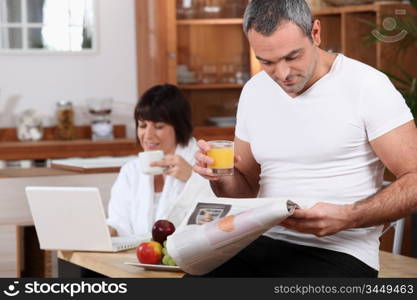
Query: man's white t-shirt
x=315, y=147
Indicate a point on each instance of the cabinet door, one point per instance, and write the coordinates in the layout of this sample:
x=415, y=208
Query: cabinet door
x=9, y=252
x=156, y=42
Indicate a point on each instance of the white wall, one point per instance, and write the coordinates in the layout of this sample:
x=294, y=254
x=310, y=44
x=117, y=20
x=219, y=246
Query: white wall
x=39, y=81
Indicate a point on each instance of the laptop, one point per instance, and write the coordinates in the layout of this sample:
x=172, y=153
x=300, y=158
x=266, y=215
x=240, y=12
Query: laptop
x=73, y=218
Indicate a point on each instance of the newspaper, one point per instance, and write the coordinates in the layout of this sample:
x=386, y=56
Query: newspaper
x=217, y=230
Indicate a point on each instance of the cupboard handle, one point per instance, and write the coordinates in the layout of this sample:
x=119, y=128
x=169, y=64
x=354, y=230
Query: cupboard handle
x=172, y=55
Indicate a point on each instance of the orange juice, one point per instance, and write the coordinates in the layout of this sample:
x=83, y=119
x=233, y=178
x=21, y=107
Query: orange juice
x=223, y=155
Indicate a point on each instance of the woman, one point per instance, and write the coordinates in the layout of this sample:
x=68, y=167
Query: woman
x=163, y=122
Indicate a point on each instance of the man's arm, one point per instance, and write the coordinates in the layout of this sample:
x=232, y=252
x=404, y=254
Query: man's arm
x=397, y=149
x=245, y=181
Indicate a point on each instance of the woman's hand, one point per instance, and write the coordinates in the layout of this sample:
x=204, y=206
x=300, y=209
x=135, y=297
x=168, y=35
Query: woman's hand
x=175, y=166
x=112, y=231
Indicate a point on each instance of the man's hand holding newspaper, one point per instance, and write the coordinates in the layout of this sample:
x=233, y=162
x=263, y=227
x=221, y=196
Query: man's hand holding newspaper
x=198, y=249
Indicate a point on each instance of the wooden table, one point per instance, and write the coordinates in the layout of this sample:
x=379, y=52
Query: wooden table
x=397, y=266
x=112, y=265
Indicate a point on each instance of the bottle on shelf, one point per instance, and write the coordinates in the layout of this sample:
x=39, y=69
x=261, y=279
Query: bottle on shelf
x=210, y=9
x=186, y=9
x=213, y=8
x=65, y=129
x=101, y=125
x=29, y=126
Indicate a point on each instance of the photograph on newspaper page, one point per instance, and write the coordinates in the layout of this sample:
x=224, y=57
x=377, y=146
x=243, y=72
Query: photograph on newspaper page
x=207, y=212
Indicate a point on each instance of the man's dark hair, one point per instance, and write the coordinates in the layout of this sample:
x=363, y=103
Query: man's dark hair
x=166, y=103
x=264, y=16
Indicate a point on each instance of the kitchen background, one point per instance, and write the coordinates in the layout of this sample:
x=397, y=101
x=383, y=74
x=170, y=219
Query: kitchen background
x=39, y=81
x=197, y=44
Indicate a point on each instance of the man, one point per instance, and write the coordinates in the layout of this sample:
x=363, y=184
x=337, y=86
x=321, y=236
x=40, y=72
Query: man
x=317, y=128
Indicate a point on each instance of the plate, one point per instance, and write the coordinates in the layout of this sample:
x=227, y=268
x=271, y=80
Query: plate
x=155, y=267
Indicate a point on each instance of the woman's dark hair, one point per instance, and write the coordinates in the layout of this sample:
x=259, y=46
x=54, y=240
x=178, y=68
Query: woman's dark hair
x=166, y=103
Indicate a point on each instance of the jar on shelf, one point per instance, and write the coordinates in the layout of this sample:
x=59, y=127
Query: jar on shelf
x=101, y=125
x=212, y=8
x=65, y=129
x=29, y=126
x=186, y=9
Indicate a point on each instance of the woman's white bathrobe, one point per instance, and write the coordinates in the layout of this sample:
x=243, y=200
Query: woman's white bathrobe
x=131, y=208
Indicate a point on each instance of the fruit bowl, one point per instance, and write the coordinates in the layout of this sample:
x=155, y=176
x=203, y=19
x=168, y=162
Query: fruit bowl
x=153, y=254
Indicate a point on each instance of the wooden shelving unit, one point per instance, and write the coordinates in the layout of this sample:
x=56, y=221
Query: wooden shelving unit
x=196, y=43
x=216, y=43
x=49, y=147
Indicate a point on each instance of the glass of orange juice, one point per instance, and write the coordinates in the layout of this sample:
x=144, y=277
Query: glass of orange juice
x=222, y=152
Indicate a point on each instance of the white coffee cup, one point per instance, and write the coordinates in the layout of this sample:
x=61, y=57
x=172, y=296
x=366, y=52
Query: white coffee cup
x=146, y=158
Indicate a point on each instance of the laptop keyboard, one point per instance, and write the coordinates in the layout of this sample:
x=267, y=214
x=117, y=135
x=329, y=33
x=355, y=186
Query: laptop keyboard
x=125, y=243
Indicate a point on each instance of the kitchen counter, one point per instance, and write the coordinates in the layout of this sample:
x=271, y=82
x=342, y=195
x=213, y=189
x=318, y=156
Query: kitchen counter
x=32, y=172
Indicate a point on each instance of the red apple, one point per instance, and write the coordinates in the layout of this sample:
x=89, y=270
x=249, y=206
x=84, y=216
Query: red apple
x=149, y=253
x=161, y=229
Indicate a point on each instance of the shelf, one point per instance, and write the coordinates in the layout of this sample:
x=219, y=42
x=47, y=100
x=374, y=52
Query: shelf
x=213, y=86
x=233, y=21
x=331, y=10
x=214, y=133
x=64, y=149
x=317, y=12
x=351, y=9
x=81, y=133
